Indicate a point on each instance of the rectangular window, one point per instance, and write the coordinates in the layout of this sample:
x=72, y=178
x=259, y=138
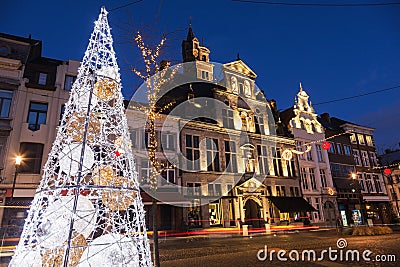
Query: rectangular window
x=218, y=189
x=339, y=148
x=353, y=139
x=168, y=141
x=332, y=147
x=347, y=149
x=211, y=190
x=204, y=75
x=2, y=148
x=370, y=187
x=341, y=170
x=5, y=103
x=230, y=156
x=291, y=190
x=278, y=190
x=297, y=191
x=269, y=190
x=299, y=147
x=32, y=157
x=377, y=183
x=194, y=189
x=360, y=138
x=319, y=153
x=212, y=154
x=145, y=140
x=37, y=115
x=227, y=118
x=323, y=178
x=361, y=180
x=262, y=159
x=42, y=78
x=69, y=81
x=364, y=157
x=356, y=155
x=259, y=125
x=277, y=161
x=309, y=155
x=312, y=178
x=369, y=140
x=241, y=90
x=193, y=152
x=145, y=171
x=303, y=173
x=168, y=173
x=133, y=135
x=373, y=159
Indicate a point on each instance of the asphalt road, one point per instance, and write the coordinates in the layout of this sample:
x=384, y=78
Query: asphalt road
x=230, y=251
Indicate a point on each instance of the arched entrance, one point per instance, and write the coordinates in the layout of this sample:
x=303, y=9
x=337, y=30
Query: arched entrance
x=252, y=213
x=330, y=214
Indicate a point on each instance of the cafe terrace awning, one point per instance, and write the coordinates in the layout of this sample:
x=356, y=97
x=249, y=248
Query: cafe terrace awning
x=291, y=204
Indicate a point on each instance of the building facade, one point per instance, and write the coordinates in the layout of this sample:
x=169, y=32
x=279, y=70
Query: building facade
x=34, y=89
x=316, y=178
x=390, y=162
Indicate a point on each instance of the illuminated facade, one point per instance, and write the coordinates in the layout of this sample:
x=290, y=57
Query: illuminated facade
x=315, y=172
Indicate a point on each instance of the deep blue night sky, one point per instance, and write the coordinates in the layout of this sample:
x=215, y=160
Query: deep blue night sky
x=335, y=52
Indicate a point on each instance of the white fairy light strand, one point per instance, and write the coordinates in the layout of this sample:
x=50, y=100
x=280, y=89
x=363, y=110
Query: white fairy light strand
x=108, y=215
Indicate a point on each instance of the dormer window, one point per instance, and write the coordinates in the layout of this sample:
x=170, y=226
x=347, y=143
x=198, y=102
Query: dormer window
x=42, y=79
x=204, y=75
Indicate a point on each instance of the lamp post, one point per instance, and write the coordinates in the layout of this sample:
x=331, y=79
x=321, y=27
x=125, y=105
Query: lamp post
x=354, y=190
x=18, y=161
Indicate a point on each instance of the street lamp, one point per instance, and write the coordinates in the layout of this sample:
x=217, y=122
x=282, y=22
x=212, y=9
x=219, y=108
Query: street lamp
x=18, y=161
x=354, y=190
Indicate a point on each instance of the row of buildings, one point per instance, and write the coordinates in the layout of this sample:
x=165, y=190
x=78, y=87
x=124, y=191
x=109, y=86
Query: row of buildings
x=241, y=161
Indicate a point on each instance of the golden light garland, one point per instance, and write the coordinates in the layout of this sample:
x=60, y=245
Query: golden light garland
x=55, y=258
x=118, y=198
x=105, y=89
x=76, y=127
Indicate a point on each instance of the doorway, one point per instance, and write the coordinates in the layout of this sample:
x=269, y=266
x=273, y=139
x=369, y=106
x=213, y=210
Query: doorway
x=252, y=213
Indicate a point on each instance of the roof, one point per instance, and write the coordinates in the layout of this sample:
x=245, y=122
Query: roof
x=239, y=66
x=19, y=38
x=390, y=158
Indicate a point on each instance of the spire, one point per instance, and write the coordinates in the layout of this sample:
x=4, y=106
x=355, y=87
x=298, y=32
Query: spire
x=190, y=35
x=238, y=56
x=301, y=87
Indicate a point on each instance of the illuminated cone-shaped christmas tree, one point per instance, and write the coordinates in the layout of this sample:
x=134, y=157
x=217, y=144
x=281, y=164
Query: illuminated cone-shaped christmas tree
x=87, y=210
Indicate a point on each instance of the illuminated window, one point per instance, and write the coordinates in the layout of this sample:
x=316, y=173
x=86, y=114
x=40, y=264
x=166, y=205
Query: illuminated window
x=369, y=140
x=353, y=139
x=360, y=138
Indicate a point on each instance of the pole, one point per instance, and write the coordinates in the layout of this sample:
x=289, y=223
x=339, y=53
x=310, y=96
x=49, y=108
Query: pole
x=156, y=254
x=14, y=181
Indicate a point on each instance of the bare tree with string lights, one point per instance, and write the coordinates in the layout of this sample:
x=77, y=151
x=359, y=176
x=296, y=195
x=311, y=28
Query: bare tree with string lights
x=155, y=76
x=87, y=210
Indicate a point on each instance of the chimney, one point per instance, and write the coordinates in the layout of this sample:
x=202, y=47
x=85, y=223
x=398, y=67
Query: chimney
x=325, y=116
